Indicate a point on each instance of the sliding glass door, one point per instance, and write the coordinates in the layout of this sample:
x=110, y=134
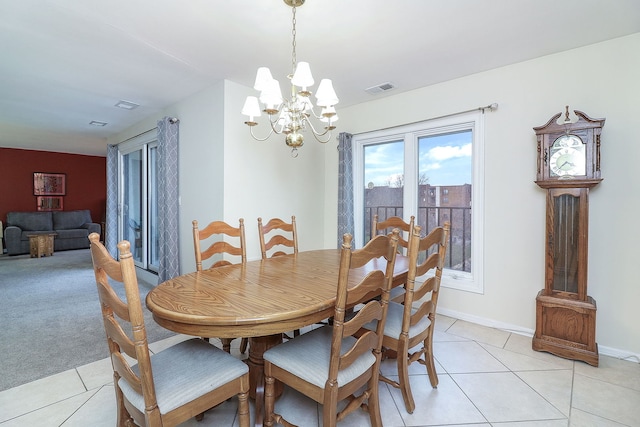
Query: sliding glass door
x=138, y=209
x=132, y=214
x=152, y=206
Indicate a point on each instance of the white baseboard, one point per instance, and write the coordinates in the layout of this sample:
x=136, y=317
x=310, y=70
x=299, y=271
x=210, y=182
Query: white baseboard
x=483, y=321
x=147, y=276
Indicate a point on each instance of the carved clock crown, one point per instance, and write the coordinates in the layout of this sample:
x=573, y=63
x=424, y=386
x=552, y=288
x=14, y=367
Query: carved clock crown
x=569, y=152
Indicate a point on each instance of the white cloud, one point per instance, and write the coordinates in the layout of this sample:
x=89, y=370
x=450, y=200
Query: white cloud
x=432, y=166
x=442, y=153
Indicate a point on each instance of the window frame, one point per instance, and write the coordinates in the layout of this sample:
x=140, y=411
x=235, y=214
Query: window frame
x=410, y=134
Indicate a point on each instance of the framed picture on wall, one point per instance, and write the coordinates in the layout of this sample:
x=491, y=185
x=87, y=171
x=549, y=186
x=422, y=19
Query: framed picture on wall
x=49, y=184
x=49, y=203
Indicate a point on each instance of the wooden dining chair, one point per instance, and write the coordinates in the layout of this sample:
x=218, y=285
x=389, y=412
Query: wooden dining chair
x=220, y=247
x=385, y=227
x=168, y=387
x=280, y=234
x=408, y=325
x=276, y=230
x=328, y=364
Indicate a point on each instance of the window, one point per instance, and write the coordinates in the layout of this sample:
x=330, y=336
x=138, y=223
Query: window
x=432, y=170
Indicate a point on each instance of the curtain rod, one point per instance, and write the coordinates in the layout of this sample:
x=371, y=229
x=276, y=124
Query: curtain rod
x=491, y=107
x=172, y=120
x=135, y=136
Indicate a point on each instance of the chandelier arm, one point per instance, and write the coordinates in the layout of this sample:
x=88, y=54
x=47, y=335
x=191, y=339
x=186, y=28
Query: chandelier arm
x=316, y=115
x=273, y=123
x=317, y=135
x=313, y=112
x=260, y=139
x=320, y=140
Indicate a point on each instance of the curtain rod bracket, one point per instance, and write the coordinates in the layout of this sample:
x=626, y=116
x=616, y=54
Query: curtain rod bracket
x=490, y=107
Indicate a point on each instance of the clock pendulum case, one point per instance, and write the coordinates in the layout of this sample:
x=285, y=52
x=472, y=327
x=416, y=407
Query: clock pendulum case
x=568, y=166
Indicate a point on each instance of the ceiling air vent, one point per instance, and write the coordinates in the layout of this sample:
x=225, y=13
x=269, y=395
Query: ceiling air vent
x=127, y=105
x=382, y=87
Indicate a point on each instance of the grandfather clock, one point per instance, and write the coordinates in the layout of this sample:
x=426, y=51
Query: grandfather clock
x=568, y=166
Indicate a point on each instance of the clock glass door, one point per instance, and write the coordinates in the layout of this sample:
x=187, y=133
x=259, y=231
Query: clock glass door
x=564, y=246
x=567, y=157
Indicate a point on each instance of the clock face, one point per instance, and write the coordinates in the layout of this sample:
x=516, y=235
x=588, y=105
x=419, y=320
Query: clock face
x=567, y=157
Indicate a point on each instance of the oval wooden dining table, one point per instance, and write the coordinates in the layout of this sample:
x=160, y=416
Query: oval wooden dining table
x=260, y=300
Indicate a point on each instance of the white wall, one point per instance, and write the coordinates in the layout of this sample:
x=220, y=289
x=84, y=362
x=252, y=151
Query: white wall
x=602, y=81
x=225, y=174
x=201, y=153
x=261, y=179
x=201, y=165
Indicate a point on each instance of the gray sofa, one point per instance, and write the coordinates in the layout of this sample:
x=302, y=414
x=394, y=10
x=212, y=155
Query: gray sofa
x=72, y=229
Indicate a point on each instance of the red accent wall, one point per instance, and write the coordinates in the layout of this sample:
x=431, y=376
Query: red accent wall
x=86, y=180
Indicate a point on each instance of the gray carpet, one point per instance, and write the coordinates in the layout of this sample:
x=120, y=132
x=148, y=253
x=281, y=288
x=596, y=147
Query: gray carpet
x=50, y=319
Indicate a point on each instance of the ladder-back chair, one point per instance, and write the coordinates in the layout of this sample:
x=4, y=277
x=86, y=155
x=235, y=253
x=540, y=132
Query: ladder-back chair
x=173, y=385
x=387, y=226
x=411, y=325
x=277, y=231
x=220, y=247
x=328, y=364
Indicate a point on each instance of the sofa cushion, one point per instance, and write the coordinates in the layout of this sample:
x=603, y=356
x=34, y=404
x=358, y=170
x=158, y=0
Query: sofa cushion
x=66, y=220
x=25, y=234
x=31, y=221
x=75, y=233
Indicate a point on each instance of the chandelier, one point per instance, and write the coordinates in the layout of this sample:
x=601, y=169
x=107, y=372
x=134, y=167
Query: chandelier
x=293, y=116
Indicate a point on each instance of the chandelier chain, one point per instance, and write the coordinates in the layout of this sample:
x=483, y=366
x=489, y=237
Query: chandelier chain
x=293, y=33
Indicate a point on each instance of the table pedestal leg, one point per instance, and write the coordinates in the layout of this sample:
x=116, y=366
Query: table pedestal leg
x=257, y=347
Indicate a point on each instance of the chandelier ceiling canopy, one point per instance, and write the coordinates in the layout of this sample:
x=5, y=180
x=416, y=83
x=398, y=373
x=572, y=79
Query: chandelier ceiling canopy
x=293, y=116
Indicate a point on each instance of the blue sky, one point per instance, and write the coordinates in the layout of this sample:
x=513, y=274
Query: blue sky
x=443, y=160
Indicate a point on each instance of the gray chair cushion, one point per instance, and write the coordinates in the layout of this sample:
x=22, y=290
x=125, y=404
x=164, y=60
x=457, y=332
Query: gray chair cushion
x=396, y=292
x=184, y=372
x=307, y=356
x=393, y=325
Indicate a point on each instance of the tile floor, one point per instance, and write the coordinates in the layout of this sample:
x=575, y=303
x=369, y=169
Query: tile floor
x=488, y=377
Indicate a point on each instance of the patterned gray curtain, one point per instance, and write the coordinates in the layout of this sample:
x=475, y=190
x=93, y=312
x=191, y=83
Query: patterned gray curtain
x=111, y=221
x=345, y=186
x=168, y=199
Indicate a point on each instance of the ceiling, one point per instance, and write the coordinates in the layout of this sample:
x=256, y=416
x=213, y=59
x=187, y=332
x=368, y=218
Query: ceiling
x=65, y=63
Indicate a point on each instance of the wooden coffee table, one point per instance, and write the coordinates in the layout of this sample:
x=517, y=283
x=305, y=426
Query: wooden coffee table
x=41, y=244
